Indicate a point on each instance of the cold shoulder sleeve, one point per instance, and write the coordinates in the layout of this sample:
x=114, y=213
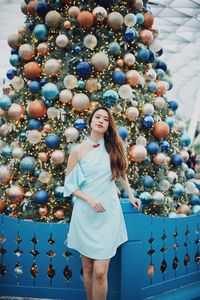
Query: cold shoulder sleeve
x=74, y=180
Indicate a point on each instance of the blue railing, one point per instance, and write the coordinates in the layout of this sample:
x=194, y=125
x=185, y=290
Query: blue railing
x=161, y=254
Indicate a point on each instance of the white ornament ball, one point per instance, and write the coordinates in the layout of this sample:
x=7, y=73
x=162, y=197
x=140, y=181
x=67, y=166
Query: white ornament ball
x=100, y=61
x=34, y=136
x=17, y=83
x=159, y=102
x=57, y=157
x=62, y=41
x=18, y=152
x=52, y=112
x=90, y=41
x=148, y=109
x=164, y=185
x=71, y=134
x=80, y=102
x=132, y=113
x=70, y=82
x=115, y=20
x=125, y=91
x=74, y=11
x=151, y=75
x=44, y=177
x=158, y=197
x=129, y=59
x=100, y=13
x=130, y=20
x=65, y=96
x=52, y=67
x=141, y=140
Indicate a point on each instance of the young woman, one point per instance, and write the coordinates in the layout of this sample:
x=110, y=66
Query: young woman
x=97, y=225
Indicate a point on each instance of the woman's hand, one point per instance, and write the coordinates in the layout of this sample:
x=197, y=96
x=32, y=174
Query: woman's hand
x=135, y=201
x=96, y=205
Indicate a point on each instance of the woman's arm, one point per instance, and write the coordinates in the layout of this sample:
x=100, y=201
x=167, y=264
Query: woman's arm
x=71, y=163
x=126, y=185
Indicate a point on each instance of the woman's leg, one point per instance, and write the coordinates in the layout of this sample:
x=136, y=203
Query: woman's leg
x=87, y=274
x=100, y=281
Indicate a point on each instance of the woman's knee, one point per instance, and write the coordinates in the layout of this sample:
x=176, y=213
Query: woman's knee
x=100, y=274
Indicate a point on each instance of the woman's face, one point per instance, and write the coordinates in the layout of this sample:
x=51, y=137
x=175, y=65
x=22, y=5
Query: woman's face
x=100, y=121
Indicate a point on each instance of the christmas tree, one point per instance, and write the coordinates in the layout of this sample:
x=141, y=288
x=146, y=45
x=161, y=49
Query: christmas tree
x=73, y=56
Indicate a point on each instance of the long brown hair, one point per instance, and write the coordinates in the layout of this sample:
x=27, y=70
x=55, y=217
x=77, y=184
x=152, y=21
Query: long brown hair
x=114, y=146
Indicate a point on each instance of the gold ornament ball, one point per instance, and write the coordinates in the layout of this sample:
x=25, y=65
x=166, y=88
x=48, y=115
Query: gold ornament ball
x=57, y=157
x=52, y=67
x=44, y=177
x=17, y=83
x=80, y=102
x=67, y=25
x=43, y=157
x=184, y=209
x=14, y=40
x=65, y=96
x=2, y=206
x=16, y=112
x=162, y=87
x=70, y=82
x=159, y=159
x=53, y=19
x=74, y=11
x=120, y=62
x=43, y=48
x=5, y=174
x=26, y=52
x=146, y=36
x=133, y=78
x=138, y=153
x=34, y=136
x=5, y=129
x=15, y=193
x=43, y=211
x=47, y=128
x=132, y=113
x=129, y=59
x=100, y=61
x=100, y=14
x=59, y=214
x=115, y=20
x=91, y=85
x=71, y=134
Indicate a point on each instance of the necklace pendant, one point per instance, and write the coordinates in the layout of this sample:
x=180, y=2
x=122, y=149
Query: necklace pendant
x=96, y=145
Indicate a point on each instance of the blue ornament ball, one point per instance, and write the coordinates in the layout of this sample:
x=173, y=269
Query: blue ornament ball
x=14, y=51
x=153, y=148
x=170, y=83
x=148, y=121
x=123, y=132
x=84, y=70
x=170, y=122
x=34, y=124
x=178, y=190
x=42, y=8
x=145, y=196
x=196, y=209
x=34, y=86
x=190, y=173
x=14, y=60
x=160, y=73
x=41, y=197
x=28, y=164
x=161, y=65
x=80, y=124
x=151, y=56
x=81, y=84
x=195, y=199
x=110, y=98
x=124, y=194
x=6, y=151
x=177, y=160
x=185, y=140
x=5, y=102
x=43, y=81
x=152, y=86
x=41, y=33
x=148, y=181
x=143, y=54
x=165, y=146
x=52, y=141
x=140, y=18
x=11, y=74
x=50, y=91
x=114, y=48
x=173, y=105
x=8, y=211
x=129, y=35
x=77, y=49
x=59, y=193
x=118, y=77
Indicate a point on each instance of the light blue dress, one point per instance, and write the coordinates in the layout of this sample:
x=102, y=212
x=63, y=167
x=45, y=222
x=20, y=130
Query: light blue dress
x=95, y=234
